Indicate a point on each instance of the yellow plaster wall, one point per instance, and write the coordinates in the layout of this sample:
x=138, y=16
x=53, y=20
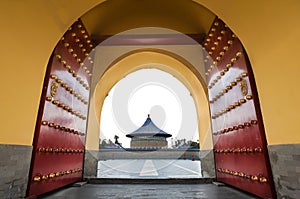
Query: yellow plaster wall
x=160, y=61
x=29, y=32
x=268, y=29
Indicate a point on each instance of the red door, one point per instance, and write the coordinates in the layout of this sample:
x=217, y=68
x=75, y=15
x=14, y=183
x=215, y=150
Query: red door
x=240, y=145
x=59, y=140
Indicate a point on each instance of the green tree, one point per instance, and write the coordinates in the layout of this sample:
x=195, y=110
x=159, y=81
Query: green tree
x=116, y=140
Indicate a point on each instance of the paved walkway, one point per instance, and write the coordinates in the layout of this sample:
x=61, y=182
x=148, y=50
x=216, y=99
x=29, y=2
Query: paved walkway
x=147, y=191
x=136, y=172
x=154, y=168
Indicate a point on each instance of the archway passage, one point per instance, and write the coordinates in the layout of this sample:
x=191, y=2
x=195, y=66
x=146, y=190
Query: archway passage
x=164, y=61
x=239, y=140
x=240, y=145
x=59, y=140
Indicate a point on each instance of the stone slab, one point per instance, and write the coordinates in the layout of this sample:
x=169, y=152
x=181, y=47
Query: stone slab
x=14, y=170
x=149, y=181
x=285, y=163
x=146, y=191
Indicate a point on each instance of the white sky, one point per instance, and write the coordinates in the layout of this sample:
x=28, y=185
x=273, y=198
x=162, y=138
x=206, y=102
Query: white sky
x=148, y=91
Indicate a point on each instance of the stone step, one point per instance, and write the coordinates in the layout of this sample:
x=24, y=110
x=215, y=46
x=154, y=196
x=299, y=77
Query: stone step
x=150, y=180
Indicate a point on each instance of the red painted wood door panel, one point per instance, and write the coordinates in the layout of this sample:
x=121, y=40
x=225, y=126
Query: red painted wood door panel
x=59, y=142
x=240, y=145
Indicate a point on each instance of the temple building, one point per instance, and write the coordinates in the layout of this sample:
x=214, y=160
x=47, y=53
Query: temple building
x=148, y=136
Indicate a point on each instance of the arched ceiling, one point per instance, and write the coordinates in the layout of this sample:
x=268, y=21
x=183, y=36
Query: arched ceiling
x=115, y=16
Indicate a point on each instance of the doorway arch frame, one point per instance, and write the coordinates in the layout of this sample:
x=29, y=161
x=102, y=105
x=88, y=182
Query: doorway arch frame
x=174, y=65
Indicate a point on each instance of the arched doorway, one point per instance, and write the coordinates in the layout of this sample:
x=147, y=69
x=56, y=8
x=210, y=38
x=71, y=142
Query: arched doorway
x=171, y=109
x=231, y=172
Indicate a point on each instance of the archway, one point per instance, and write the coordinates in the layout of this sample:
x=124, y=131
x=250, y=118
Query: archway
x=168, y=62
x=171, y=109
x=165, y=63
x=48, y=20
x=224, y=53
x=222, y=170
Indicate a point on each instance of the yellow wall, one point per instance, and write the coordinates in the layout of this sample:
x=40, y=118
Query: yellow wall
x=269, y=31
x=29, y=32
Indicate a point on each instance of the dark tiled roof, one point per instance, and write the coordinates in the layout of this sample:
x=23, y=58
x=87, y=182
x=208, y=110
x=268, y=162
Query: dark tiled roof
x=148, y=129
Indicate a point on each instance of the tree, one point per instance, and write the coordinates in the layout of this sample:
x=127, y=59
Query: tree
x=185, y=142
x=110, y=142
x=103, y=143
x=195, y=145
x=116, y=140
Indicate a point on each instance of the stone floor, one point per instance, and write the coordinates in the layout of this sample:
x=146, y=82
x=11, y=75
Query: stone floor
x=151, y=178
x=147, y=191
x=149, y=168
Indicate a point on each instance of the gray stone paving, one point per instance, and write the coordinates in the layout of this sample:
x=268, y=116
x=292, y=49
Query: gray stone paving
x=149, y=168
x=148, y=191
x=285, y=163
x=14, y=169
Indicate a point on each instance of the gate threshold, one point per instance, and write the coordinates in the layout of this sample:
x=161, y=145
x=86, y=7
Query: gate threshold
x=150, y=180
